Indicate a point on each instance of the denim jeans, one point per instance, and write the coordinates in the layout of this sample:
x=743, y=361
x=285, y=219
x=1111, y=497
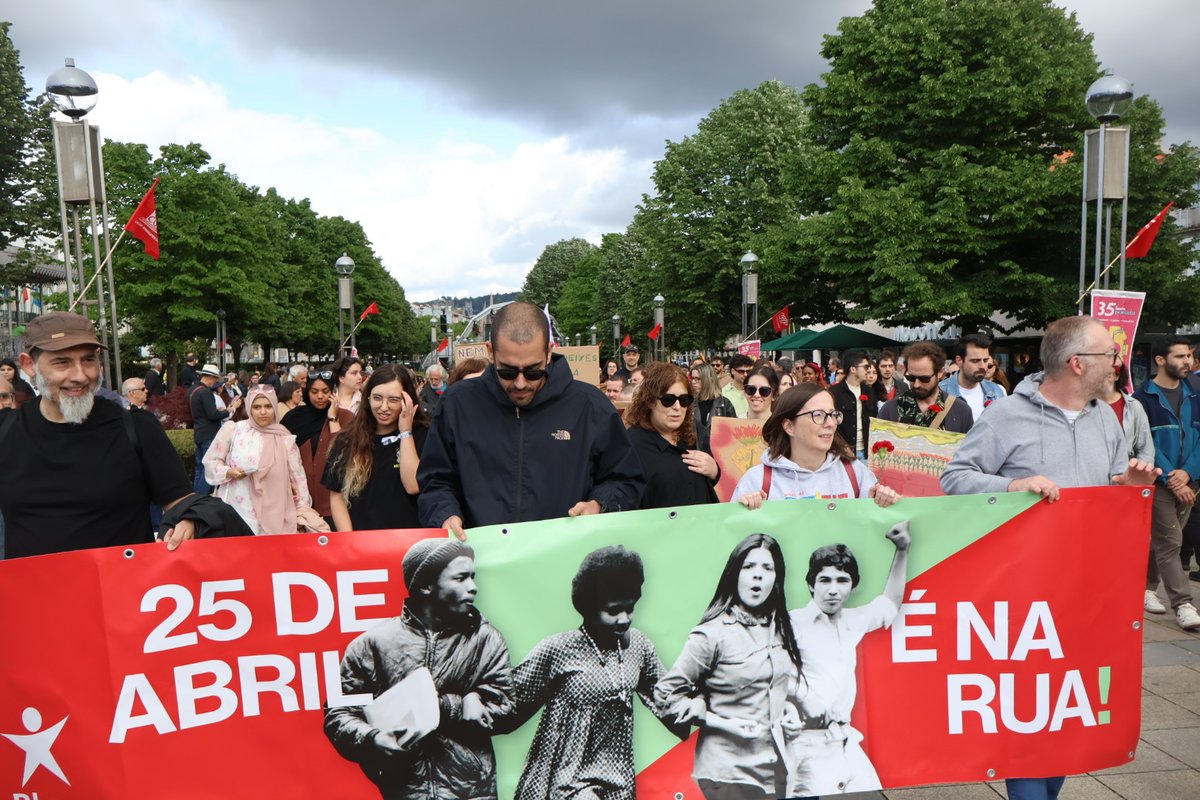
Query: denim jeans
x=1033, y=788
x=199, y=485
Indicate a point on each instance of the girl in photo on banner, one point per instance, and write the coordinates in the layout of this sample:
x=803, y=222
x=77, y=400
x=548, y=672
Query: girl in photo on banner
x=733, y=679
x=586, y=679
x=255, y=466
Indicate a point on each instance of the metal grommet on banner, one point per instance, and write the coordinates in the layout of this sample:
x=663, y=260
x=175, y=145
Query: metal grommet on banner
x=673, y=515
x=991, y=773
x=831, y=506
x=991, y=501
x=504, y=531
x=1145, y=492
x=679, y=796
x=128, y=552
x=1132, y=755
x=322, y=540
x=1137, y=625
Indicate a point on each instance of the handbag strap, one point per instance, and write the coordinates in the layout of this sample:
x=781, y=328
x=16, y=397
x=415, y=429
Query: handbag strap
x=850, y=474
x=766, y=484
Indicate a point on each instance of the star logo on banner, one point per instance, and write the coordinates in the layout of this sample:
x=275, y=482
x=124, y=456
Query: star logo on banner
x=37, y=744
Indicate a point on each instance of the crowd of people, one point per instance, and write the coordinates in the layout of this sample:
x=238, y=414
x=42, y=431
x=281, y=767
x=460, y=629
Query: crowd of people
x=346, y=447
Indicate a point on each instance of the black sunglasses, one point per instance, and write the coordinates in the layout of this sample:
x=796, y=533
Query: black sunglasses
x=761, y=391
x=919, y=378
x=669, y=400
x=530, y=373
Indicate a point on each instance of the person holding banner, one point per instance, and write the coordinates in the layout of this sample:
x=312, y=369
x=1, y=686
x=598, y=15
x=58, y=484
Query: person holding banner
x=371, y=473
x=441, y=633
x=254, y=466
x=661, y=426
x=734, y=675
x=806, y=456
x=586, y=679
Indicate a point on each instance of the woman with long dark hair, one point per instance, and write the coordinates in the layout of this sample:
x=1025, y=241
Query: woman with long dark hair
x=806, y=456
x=660, y=424
x=734, y=676
x=22, y=391
x=315, y=423
x=761, y=388
x=710, y=402
x=372, y=469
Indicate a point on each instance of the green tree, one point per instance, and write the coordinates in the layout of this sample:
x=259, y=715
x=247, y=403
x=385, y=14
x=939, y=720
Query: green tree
x=938, y=190
x=16, y=133
x=545, y=280
x=715, y=191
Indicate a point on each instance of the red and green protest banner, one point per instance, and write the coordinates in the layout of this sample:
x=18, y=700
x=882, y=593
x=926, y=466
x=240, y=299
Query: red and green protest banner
x=206, y=673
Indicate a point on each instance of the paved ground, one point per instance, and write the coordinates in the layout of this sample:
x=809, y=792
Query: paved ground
x=1167, y=766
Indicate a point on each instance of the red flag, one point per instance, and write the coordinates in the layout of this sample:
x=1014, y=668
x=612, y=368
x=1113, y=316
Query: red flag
x=626, y=342
x=445, y=343
x=780, y=320
x=26, y=294
x=144, y=222
x=654, y=332
x=368, y=311
x=1140, y=244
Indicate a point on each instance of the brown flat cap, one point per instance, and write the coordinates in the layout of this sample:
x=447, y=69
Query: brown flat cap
x=59, y=330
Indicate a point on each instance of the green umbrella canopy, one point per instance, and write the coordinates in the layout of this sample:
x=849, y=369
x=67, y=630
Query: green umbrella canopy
x=788, y=342
x=839, y=337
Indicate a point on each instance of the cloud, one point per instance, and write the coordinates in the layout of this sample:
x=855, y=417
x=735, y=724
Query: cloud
x=462, y=217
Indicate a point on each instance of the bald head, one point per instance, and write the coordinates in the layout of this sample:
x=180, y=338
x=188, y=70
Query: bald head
x=521, y=323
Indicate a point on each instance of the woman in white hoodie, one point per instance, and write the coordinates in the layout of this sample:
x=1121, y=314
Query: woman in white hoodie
x=805, y=456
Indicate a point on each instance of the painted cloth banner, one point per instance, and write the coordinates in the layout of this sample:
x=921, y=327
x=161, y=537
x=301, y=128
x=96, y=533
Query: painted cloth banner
x=911, y=458
x=737, y=445
x=1120, y=313
x=207, y=672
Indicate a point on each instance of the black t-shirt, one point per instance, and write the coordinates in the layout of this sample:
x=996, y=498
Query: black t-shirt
x=383, y=504
x=73, y=487
x=1174, y=397
x=669, y=482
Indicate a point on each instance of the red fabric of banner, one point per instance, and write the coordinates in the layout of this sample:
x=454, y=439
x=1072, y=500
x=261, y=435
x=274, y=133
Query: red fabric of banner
x=144, y=222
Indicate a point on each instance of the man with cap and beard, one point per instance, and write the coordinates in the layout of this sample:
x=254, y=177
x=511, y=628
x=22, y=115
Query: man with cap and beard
x=79, y=472
x=440, y=629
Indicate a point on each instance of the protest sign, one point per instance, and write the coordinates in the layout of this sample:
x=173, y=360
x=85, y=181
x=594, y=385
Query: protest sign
x=473, y=350
x=1120, y=313
x=737, y=445
x=752, y=348
x=207, y=672
x=911, y=458
x=584, y=362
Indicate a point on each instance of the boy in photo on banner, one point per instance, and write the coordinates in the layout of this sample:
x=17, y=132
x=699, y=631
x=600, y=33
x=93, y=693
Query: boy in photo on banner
x=586, y=679
x=441, y=630
x=827, y=752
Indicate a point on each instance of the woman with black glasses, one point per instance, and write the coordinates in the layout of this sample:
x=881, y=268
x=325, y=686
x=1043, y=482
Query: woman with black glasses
x=806, y=457
x=761, y=388
x=663, y=432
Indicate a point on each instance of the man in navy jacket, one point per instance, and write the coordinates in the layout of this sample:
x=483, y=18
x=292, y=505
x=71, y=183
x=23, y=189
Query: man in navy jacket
x=525, y=441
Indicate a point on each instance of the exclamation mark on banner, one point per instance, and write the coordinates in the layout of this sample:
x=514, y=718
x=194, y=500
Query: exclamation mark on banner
x=1105, y=681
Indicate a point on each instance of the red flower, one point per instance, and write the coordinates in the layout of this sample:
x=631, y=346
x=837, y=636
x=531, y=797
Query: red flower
x=883, y=444
x=935, y=408
x=862, y=397
x=987, y=403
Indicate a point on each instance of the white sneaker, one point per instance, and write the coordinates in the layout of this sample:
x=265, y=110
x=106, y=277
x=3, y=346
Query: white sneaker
x=1187, y=617
x=1153, y=604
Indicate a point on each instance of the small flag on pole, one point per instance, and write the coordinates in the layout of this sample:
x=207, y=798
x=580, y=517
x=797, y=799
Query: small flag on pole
x=780, y=320
x=25, y=294
x=144, y=222
x=654, y=332
x=445, y=343
x=626, y=342
x=368, y=311
x=1140, y=244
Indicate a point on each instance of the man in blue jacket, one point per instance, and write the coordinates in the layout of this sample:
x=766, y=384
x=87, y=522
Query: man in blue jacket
x=971, y=355
x=1173, y=409
x=525, y=441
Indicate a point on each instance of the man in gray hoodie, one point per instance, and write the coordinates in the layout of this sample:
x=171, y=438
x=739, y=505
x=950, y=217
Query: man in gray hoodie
x=1053, y=432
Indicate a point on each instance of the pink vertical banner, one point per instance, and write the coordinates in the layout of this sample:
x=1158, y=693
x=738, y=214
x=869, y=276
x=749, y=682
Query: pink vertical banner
x=752, y=348
x=1119, y=312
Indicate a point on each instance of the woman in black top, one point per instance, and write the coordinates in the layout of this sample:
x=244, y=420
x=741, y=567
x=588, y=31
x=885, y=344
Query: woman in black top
x=706, y=389
x=662, y=431
x=372, y=470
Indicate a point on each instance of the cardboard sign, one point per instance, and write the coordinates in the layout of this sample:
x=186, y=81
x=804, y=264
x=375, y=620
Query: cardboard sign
x=473, y=350
x=737, y=445
x=584, y=362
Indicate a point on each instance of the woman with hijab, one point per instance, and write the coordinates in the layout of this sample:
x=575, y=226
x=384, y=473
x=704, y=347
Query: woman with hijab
x=348, y=379
x=22, y=391
x=372, y=469
x=255, y=467
x=315, y=423
x=733, y=679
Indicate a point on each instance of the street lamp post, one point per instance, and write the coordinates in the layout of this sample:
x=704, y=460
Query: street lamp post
x=616, y=320
x=593, y=331
x=345, y=268
x=578, y=339
x=1105, y=177
x=79, y=163
x=220, y=342
x=749, y=293
x=659, y=302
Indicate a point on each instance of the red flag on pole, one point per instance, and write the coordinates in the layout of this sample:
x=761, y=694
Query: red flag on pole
x=1140, y=244
x=144, y=222
x=445, y=343
x=626, y=341
x=654, y=332
x=368, y=311
x=780, y=320
x=26, y=294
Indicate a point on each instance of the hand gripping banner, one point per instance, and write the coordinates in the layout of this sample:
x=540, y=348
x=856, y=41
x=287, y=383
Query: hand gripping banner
x=809, y=647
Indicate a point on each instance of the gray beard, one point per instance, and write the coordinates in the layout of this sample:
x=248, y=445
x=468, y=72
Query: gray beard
x=75, y=410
